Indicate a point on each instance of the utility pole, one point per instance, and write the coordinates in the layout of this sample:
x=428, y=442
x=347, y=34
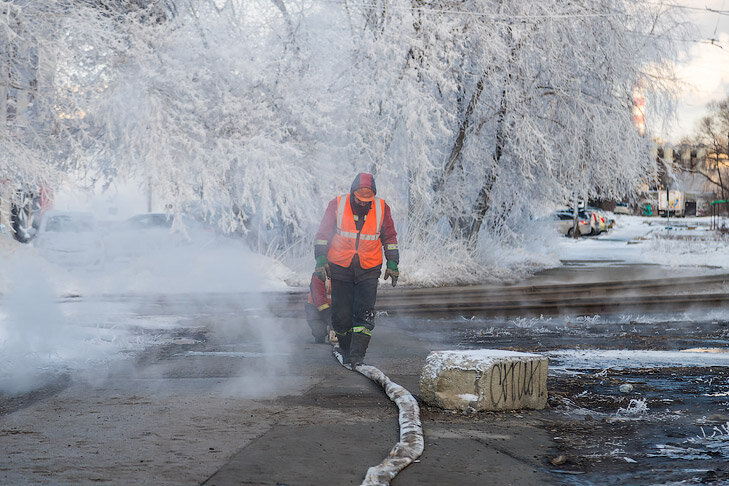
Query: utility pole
x=149, y=195
x=668, y=163
x=723, y=195
x=668, y=208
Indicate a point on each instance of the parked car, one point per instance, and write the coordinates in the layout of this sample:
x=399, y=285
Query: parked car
x=69, y=238
x=187, y=228
x=599, y=220
x=151, y=221
x=150, y=233
x=622, y=208
x=605, y=219
x=564, y=221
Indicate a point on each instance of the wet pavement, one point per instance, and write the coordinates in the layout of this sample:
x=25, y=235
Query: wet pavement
x=646, y=414
x=230, y=395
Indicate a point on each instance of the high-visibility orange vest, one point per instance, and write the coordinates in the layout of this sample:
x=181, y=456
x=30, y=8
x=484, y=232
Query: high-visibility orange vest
x=347, y=241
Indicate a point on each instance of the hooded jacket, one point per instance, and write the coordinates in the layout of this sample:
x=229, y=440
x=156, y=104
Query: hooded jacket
x=328, y=226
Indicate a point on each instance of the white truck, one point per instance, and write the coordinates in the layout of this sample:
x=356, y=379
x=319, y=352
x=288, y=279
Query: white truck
x=672, y=201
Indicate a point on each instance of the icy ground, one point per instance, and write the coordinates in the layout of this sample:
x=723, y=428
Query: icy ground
x=677, y=242
x=600, y=359
x=57, y=318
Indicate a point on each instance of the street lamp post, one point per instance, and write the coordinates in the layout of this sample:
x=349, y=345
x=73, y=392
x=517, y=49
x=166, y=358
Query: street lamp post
x=668, y=208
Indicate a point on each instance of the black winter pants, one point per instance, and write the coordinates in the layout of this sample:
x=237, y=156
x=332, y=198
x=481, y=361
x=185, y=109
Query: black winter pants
x=353, y=305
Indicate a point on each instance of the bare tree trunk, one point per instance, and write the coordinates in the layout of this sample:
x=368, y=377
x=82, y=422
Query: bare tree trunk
x=466, y=123
x=289, y=24
x=482, y=205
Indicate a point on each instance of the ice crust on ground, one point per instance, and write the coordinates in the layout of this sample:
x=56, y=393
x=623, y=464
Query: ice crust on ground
x=704, y=446
x=43, y=332
x=599, y=359
x=686, y=242
x=636, y=408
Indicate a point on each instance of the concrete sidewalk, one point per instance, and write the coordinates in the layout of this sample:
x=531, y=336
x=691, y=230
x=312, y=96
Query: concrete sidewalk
x=255, y=402
x=344, y=424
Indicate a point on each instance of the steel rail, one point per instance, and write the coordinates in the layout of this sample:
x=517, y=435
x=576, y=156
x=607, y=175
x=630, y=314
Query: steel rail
x=572, y=298
x=486, y=300
x=580, y=306
x=576, y=287
x=492, y=291
x=296, y=296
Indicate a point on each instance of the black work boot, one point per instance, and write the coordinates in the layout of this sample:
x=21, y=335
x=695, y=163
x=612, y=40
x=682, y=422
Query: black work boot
x=344, y=346
x=317, y=323
x=358, y=348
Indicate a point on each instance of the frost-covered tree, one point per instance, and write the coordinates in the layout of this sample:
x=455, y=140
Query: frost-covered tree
x=215, y=110
x=472, y=114
x=544, y=104
x=518, y=105
x=24, y=117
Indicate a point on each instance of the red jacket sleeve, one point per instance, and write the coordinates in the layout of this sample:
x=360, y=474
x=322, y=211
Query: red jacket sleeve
x=327, y=228
x=388, y=236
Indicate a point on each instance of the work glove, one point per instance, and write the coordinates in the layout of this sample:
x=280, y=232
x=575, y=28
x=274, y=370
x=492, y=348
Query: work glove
x=322, y=268
x=392, y=271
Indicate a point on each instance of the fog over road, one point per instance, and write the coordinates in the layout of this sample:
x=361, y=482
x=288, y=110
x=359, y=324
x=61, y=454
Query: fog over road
x=225, y=392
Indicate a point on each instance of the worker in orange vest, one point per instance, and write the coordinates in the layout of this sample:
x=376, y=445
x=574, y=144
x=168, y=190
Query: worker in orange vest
x=348, y=247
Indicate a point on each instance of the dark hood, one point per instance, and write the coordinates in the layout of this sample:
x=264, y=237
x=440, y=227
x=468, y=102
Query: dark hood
x=363, y=180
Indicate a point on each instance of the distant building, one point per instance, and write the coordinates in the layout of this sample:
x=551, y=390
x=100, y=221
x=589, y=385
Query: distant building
x=691, y=168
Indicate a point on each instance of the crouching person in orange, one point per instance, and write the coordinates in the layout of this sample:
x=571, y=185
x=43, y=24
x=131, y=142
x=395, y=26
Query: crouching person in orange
x=318, y=309
x=348, y=247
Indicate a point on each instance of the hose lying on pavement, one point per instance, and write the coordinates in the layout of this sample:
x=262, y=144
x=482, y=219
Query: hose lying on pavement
x=411, y=442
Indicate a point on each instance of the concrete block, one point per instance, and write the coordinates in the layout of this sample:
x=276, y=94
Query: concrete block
x=484, y=379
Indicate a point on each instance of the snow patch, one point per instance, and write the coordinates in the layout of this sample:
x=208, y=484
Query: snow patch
x=636, y=408
x=637, y=239
x=600, y=359
x=476, y=359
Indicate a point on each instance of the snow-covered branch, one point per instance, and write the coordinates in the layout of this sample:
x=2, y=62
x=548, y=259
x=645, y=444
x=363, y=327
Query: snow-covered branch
x=474, y=116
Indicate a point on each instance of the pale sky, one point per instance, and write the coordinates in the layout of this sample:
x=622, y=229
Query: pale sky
x=705, y=68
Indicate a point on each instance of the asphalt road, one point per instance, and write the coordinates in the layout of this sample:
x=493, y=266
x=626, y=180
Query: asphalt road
x=232, y=408
x=238, y=396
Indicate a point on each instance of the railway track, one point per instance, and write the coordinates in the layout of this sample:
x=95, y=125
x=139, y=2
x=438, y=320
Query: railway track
x=653, y=295
x=584, y=298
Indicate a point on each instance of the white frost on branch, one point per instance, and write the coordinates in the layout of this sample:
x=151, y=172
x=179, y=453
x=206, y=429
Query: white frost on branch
x=473, y=116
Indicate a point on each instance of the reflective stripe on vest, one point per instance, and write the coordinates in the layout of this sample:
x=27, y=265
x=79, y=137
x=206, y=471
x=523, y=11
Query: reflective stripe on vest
x=345, y=243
